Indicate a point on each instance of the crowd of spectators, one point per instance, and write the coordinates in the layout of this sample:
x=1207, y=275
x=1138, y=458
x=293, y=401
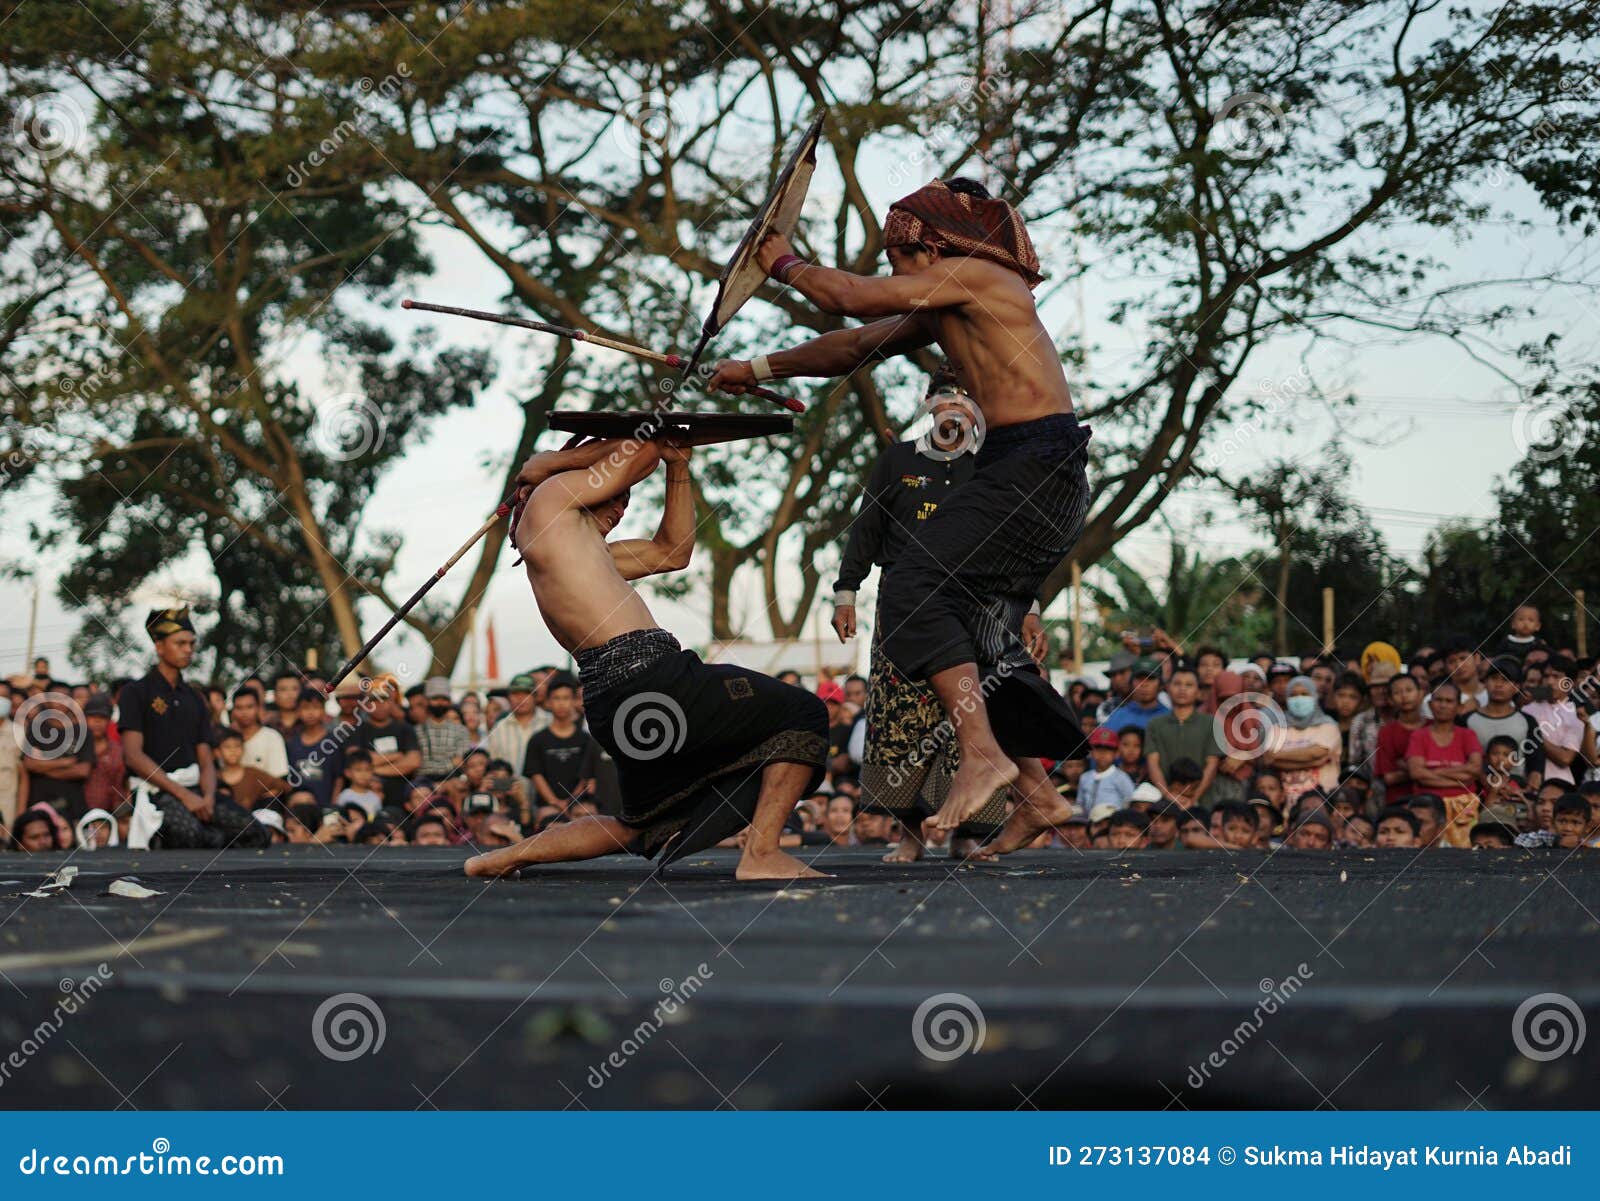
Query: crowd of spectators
x=1453, y=745
x=315, y=765
x=1449, y=746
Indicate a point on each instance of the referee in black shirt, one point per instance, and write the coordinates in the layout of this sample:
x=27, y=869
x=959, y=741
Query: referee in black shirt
x=166, y=744
x=911, y=755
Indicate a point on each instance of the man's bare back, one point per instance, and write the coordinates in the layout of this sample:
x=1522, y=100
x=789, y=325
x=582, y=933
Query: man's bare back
x=580, y=581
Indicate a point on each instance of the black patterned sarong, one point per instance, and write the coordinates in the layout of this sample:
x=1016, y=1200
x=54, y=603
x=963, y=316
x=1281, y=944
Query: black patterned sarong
x=911, y=753
x=690, y=739
x=959, y=591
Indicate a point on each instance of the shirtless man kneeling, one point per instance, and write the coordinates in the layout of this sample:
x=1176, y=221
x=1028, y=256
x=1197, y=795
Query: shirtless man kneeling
x=702, y=750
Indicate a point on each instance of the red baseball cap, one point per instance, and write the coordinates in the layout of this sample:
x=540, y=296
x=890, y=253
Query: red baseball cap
x=830, y=690
x=1102, y=736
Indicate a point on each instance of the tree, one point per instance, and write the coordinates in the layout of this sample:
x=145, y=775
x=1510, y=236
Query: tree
x=603, y=160
x=167, y=272
x=1202, y=600
x=1286, y=502
x=1211, y=154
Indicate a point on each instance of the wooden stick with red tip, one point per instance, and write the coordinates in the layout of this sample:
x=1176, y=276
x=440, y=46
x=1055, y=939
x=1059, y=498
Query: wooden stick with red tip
x=666, y=358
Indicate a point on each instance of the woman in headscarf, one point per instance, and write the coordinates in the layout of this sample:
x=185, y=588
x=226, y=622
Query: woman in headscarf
x=1305, y=745
x=96, y=829
x=59, y=825
x=1379, y=655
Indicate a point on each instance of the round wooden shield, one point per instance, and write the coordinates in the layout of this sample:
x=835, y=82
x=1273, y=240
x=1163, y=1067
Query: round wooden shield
x=717, y=427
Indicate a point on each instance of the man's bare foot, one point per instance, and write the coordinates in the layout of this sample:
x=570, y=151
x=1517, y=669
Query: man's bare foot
x=909, y=850
x=774, y=865
x=1034, y=814
x=976, y=780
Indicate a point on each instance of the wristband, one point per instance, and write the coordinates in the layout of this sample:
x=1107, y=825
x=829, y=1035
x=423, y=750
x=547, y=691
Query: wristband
x=761, y=369
x=784, y=264
x=844, y=596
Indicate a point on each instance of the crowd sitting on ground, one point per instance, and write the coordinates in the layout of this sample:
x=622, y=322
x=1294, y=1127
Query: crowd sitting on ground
x=1451, y=746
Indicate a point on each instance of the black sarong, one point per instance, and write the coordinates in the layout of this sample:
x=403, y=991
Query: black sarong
x=690, y=739
x=911, y=753
x=959, y=592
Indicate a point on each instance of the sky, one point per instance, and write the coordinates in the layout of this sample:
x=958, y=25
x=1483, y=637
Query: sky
x=1430, y=433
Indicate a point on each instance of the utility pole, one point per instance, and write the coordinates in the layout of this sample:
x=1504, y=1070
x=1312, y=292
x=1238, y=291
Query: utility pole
x=33, y=625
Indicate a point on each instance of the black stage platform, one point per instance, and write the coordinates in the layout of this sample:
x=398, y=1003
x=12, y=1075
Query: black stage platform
x=1104, y=980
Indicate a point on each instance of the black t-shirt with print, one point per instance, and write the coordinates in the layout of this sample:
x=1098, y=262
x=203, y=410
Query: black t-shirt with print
x=564, y=762
x=393, y=738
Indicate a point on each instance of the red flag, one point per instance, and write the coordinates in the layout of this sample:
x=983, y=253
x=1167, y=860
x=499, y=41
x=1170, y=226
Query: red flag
x=494, y=654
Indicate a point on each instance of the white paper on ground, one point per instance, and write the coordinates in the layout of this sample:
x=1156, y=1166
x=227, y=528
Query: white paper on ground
x=127, y=888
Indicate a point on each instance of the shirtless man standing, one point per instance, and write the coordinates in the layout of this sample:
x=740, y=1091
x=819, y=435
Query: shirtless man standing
x=702, y=750
x=963, y=274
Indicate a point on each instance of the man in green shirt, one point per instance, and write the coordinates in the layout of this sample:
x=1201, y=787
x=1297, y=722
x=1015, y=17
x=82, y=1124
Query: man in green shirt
x=1184, y=733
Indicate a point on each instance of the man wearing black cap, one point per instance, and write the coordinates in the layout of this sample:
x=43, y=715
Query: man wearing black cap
x=166, y=743
x=1278, y=677
x=107, y=785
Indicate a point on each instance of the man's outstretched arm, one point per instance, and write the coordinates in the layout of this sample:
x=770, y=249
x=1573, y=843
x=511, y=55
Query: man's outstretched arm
x=673, y=544
x=835, y=353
